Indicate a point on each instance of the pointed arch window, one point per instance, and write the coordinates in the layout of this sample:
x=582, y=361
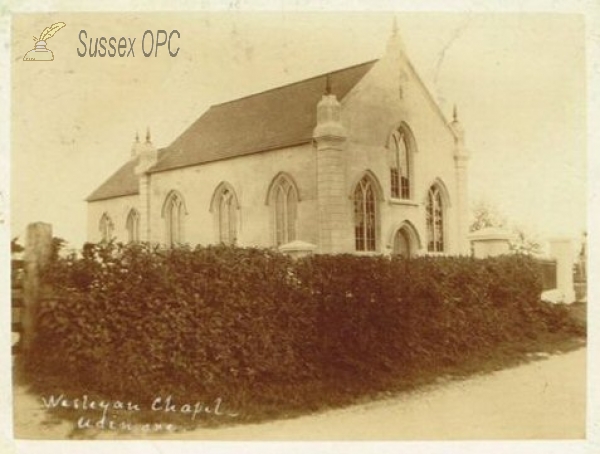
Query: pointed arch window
x=133, y=226
x=227, y=217
x=400, y=146
x=106, y=228
x=224, y=205
x=284, y=198
x=365, y=215
x=173, y=213
x=435, y=220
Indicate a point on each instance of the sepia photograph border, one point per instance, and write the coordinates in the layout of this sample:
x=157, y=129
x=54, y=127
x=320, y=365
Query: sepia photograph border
x=589, y=9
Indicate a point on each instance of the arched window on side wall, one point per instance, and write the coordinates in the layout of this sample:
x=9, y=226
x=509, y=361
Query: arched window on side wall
x=227, y=218
x=284, y=198
x=224, y=205
x=435, y=213
x=106, y=228
x=133, y=226
x=365, y=215
x=173, y=213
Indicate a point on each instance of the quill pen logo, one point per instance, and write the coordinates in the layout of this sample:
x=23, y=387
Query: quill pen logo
x=40, y=52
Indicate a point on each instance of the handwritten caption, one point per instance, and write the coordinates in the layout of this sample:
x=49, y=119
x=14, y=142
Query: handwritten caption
x=116, y=414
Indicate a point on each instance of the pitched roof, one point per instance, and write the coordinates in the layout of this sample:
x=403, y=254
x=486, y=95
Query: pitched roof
x=122, y=182
x=276, y=118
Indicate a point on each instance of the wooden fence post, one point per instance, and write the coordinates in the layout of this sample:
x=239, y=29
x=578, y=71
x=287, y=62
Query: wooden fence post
x=38, y=250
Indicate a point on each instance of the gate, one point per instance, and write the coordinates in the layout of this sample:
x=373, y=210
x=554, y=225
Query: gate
x=548, y=273
x=16, y=281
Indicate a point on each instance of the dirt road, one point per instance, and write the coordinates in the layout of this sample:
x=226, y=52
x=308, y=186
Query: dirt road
x=544, y=399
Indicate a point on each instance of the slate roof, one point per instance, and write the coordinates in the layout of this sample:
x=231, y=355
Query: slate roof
x=122, y=182
x=276, y=118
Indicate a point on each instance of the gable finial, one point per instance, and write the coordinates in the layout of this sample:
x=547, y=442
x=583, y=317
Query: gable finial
x=457, y=127
x=328, y=85
x=148, y=134
x=395, y=43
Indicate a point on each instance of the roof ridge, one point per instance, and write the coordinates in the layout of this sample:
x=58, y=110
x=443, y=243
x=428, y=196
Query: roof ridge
x=279, y=87
x=228, y=131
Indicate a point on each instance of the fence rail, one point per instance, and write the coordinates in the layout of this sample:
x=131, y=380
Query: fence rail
x=17, y=302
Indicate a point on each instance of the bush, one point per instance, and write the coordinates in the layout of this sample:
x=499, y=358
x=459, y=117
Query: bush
x=134, y=322
x=205, y=320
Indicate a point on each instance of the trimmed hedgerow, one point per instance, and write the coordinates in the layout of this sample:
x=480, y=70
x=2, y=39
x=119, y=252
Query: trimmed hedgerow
x=138, y=321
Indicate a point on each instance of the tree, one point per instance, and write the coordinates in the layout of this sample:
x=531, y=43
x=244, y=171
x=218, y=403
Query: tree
x=15, y=247
x=485, y=215
x=525, y=242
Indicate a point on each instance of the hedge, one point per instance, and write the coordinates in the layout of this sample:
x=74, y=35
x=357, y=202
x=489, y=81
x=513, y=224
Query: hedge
x=133, y=322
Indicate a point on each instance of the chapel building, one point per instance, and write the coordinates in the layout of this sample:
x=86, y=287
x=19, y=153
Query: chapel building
x=359, y=160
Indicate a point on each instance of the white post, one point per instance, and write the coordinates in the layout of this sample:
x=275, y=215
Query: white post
x=562, y=250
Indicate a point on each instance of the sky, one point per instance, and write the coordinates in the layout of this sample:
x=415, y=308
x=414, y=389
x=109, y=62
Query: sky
x=519, y=82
